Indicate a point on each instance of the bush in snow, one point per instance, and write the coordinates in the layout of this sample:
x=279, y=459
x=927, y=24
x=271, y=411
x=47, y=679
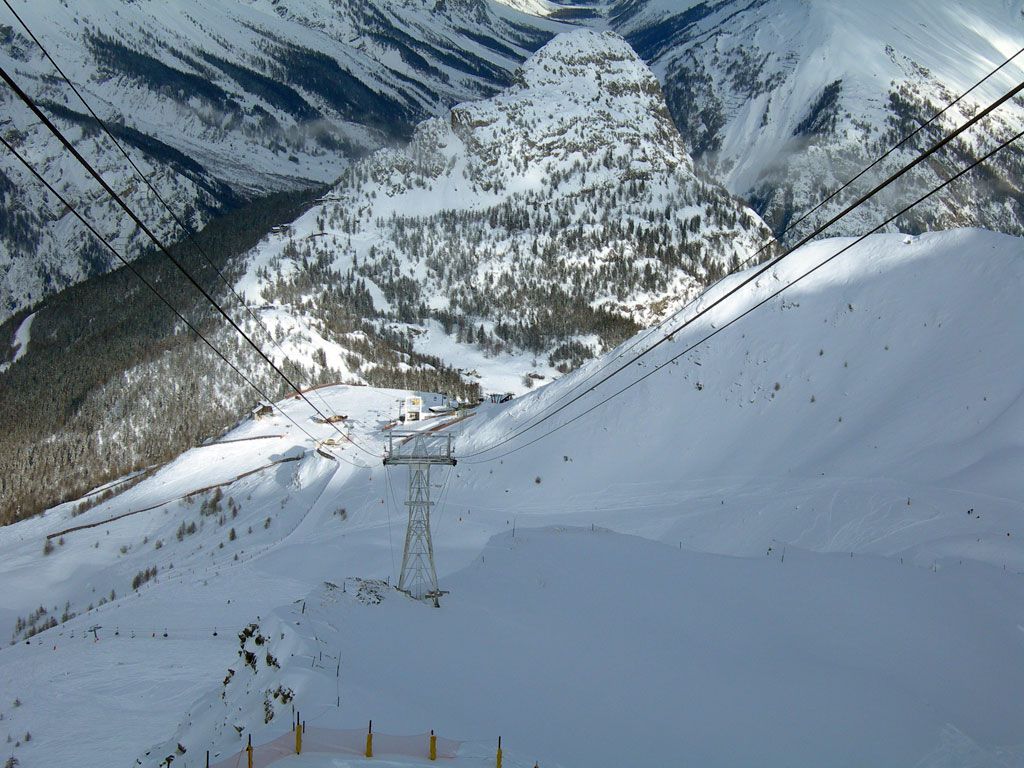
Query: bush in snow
x=143, y=576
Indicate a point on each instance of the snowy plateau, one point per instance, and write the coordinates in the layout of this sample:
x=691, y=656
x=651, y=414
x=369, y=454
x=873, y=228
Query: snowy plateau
x=738, y=513
x=797, y=545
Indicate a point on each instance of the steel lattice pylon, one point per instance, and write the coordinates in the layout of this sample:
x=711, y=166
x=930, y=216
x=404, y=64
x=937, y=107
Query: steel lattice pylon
x=419, y=451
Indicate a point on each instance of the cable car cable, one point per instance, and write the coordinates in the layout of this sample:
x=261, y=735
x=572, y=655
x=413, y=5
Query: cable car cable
x=189, y=234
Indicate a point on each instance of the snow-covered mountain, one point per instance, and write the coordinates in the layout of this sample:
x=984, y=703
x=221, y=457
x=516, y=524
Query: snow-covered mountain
x=557, y=218
x=221, y=102
x=798, y=545
x=778, y=100
x=783, y=101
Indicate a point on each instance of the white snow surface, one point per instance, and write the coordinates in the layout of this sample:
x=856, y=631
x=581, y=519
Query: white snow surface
x=724, y=574
x=22, y=336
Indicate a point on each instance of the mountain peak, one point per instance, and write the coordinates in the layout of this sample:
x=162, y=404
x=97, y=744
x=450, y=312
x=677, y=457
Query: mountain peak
x=549, y=221
x=583, y=92
x=588, y=56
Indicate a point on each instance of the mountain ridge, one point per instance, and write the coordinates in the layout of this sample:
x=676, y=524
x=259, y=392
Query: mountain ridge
x=554, y=218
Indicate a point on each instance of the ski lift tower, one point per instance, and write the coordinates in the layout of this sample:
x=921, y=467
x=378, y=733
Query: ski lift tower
x=419, y=451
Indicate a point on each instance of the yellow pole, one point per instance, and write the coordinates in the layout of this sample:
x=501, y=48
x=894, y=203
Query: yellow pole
x=369, y=740
x=497, y=759
x=433, y=746
x=298, y=738
x=248, y=750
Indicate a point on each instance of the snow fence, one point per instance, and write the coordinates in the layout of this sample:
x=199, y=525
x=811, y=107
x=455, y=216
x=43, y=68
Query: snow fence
x=329, y=741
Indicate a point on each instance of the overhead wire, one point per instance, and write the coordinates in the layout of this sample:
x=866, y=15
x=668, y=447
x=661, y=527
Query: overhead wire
x=754, y=275
x=30, y=103
x=761, y=303
x=389, y=493
x=665, y=322
x=441, y=499
x=905, y=139
x=131, y=267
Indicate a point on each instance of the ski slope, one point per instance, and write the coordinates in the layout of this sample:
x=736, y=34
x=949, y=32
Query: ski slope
x=876, y=401
x=724, y=574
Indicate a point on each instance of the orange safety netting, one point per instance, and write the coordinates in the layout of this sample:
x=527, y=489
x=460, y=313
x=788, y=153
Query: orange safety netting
x=341, y=742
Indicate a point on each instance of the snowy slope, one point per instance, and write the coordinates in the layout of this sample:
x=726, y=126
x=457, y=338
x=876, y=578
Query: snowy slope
x=19, y=345
x=226, y=100
x=783, y=101
x=556, y=217
x=834, y=465
x=725, y=573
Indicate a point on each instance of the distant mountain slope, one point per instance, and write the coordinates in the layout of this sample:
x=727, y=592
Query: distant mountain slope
x=224, y=101
x=783, y=101
x=557, y=217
